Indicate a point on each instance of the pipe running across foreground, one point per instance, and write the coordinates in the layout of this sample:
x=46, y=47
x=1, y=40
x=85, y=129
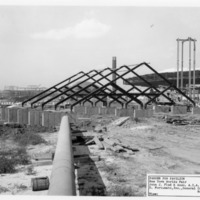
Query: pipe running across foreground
x=62, y=180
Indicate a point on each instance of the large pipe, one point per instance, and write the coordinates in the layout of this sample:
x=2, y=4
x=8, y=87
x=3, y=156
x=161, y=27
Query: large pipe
x=62, y=181
x=114, y=67
x=177, y=81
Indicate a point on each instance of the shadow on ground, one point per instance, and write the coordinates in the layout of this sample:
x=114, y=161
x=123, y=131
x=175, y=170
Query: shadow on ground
x=89, y=179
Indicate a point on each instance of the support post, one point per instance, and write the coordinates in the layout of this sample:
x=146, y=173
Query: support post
x=194, y=70
x=177, y=81
x=182, y=65
x=114, y=66
x=189, y=78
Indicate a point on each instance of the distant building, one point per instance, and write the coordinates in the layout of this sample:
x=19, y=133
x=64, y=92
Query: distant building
x=15, y=93
x=156, y=81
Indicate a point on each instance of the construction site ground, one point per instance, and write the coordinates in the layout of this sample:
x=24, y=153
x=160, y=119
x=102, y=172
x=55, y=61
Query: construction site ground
x=156, y=147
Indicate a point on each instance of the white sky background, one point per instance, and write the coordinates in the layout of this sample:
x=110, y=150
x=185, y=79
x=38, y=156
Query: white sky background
x=46, y=44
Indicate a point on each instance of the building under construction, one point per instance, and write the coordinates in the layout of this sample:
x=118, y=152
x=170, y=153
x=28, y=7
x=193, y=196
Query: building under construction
x=186, y=78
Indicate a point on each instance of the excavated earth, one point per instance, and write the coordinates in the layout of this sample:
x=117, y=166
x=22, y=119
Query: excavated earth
x=156, y=148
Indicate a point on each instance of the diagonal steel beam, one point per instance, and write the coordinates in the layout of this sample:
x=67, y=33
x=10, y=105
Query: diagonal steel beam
x=49, y=89
x=72, y=88
x=133, y=86
x=170, y=84
x=157, y=96
x=91, y=94
x=126, y=93
x=147, y=82
x=107, y=94
x=61, y=88
x=147, y=95
x=104, y=96
x=49, y=94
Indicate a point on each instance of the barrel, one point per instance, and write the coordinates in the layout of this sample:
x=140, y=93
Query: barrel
x=40, y=183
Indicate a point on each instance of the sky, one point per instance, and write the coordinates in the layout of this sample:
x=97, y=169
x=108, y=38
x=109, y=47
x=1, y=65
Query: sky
x=43, y=45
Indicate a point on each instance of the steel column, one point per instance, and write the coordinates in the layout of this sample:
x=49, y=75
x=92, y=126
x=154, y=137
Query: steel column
x=182, y=65
x=189, y=79
x=194, y=70
x=177, y=84
x=114, y=66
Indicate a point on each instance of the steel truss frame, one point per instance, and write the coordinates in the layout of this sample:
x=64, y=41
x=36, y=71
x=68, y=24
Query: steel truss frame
x=96, y=90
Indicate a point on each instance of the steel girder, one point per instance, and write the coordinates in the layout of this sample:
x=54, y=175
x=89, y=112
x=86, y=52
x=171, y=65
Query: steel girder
x=105, y=86
x=74, y=88
x=45, y=92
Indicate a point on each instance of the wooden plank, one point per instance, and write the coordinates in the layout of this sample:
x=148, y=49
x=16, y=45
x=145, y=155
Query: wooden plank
x=90, y=142
x=128, y=147
x=120, y=121
x=118, y=148
x=106, y=145
x=109, y=141
x=114, y=142
x=98, y=143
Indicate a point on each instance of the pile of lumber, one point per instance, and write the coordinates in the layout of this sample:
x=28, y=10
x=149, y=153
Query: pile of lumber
x=114, y=144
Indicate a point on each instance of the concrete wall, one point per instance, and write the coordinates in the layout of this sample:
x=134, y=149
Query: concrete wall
x=179, y=109
x=110, y=111
x=88, y=110
x=58, y=117
x=12, y=114
x=139, y=113
x=150, y=106
x=196, y=110
x=3, y=113
x=46, y=118
x=50, y=118
x=164, y=109
x=121, y=112
x=23, y=115
x=92, y=111
x=6, y=115
x=143, y=113
x=149, y=113
x=32, y=117
x=125, y=112
x=102, y=111
x=79, y=110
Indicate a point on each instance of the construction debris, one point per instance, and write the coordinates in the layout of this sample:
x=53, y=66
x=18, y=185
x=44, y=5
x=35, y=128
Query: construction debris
x=120, y=121
x=97, y=141
x=178, y=120
x=111, y=143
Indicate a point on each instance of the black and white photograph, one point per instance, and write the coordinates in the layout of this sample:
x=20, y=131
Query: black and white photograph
x=100, y=99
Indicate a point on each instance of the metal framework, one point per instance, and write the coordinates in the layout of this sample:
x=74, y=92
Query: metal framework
x=180, y=77
x=101, y=86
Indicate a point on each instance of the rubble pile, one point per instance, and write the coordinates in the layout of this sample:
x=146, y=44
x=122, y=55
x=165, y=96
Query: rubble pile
x=179, y=120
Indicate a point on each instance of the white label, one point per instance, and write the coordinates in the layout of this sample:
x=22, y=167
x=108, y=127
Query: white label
x=173, y=185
